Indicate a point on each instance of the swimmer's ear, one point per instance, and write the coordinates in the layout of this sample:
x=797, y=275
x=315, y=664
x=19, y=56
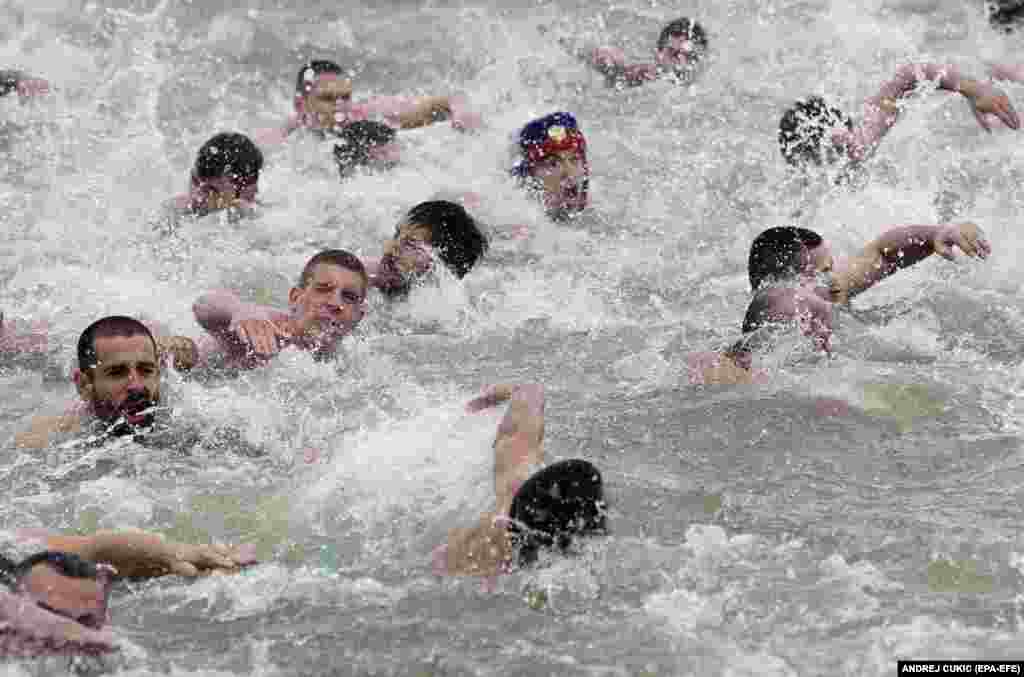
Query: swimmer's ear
x=300, y=103
x=294, y=295
x=82, y=382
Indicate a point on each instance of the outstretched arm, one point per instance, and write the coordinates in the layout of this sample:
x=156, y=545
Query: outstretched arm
x=141, y=554
x=408, y=113
x=483, y=549
x=903, y=247
x=882, y=110
x=240, y=326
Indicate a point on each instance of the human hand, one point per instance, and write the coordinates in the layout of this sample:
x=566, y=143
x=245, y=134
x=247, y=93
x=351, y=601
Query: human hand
x=967, y=236
x=144, y=554
x=490, y=397
x=181, y=349
x=29, y=87
x=461, y=117
x=988, y=102
x=608, y=57
x=262, y=336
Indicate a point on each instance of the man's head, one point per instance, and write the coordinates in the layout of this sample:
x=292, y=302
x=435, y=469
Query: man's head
x=366, y=143
x=64, y=584
x=437, y=226
x=786, y=252
x=682, y=44
x=226, y=172
x=329, y=299
x=323, y=94
x=118, y=372
x=554, y=163
x=805, y=132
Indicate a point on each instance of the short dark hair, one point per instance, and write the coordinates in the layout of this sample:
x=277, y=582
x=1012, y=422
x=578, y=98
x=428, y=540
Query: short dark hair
x=312, y=70
x=777, y=253
x=1006, y=15
x=803, y=127
x=687, y=28
x=355, y=141
x=228, y=154
x=332, y=257
x=112, y=325
x=454, y=234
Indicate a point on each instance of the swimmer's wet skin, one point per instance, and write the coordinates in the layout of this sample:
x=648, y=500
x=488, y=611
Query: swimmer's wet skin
x=548, y=509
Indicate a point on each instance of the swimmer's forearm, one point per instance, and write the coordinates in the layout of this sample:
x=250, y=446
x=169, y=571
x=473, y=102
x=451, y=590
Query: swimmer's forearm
x=1008, y=72
x=894, y=250
x=216, y=311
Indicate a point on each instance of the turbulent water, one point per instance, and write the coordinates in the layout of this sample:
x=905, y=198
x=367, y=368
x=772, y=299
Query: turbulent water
x=850, y=512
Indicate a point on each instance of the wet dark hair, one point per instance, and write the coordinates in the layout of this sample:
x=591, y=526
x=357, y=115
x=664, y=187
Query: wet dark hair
x=803, y=127
x=8, y=572
x=113, y=325
x=355, y=141
x=687, y=28
x=1006, y=15
x=333, y=257
x=777, y=253
x=228, y=154
x=454, y=234
x=318, y=68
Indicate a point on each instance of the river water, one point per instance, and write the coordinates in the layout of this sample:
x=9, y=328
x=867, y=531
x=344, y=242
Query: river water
x=846, y=514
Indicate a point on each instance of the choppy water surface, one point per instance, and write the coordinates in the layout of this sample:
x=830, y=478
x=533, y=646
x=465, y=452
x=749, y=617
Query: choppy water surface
x=848, y=514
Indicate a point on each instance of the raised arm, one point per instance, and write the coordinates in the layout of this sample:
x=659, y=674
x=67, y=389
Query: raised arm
x=411, y=112
x=484, y=549
x=882, y=110
x=903, y=247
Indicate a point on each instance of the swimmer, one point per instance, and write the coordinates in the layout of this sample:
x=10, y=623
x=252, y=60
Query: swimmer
x=1005, y=15
x=437, y=227
x=225, y=176
x=323, y=103
x=56, y=600
x=681, y=47
x=23, y=84
x=812, y=133
x=797, y=281
x=368, y=145
x=118, y=382
x=553, y=164
x=535, y=508
x=326, y=305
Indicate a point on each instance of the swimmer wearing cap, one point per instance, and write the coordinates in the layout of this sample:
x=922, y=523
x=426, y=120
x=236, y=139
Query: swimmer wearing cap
x=553, y=164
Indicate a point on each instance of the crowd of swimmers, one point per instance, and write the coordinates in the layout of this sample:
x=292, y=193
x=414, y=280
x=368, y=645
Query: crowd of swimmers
x=56, y=600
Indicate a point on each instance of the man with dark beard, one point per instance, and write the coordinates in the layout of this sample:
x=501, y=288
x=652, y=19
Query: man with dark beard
x=118, y=380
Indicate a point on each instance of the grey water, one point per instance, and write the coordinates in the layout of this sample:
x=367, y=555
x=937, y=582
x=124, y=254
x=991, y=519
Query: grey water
x=850, y=512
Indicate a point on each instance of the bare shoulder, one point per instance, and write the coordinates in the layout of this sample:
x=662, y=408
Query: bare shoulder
x=43, y=428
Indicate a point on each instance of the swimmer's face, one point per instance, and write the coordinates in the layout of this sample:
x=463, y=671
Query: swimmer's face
x=224, y=192
x=328, y=100
x=679, y=52
x=81, y=599
x=561, y=176
x=125, y=382
x=408, y=255
x=814, y=316
x=331, y=304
